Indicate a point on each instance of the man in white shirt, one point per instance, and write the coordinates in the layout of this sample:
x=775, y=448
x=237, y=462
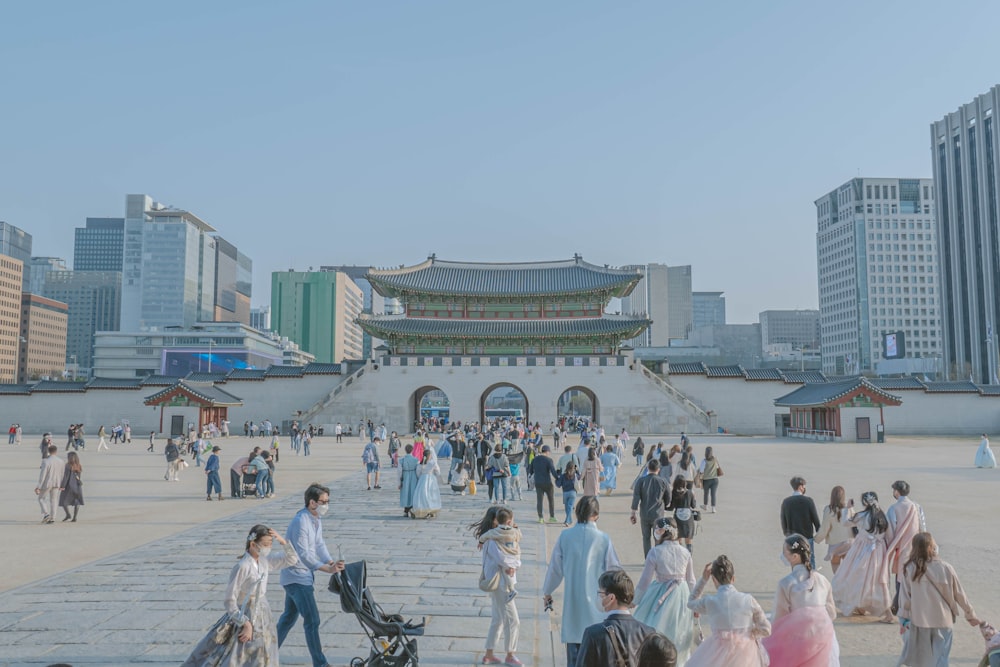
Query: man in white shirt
x=49, y=478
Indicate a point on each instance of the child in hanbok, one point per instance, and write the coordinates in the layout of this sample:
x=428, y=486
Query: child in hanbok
x=861, y=584
x=664, y=589
x=508, y=538
x=738, y=623
x=802, y=633
x=246, y=634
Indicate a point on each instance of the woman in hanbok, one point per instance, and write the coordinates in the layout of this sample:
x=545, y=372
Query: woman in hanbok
x=802, y=632
x=427, y=495
x=610, y=461
x=591, y=473
x=836, y=529
x=984, y=455
x=861, y=584
x=738, y=623
x=246, y=634
x=418, y=445
x=407, y=480
x=664, y=589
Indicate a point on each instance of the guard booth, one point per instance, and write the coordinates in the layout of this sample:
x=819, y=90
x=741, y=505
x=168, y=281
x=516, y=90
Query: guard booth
x=837, y=411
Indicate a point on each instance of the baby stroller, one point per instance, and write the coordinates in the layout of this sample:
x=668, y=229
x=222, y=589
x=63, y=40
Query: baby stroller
x=393, y=648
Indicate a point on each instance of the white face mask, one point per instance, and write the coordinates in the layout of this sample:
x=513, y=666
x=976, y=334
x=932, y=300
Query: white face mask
x=263, y=552
x=784, y=560
x=322, y=509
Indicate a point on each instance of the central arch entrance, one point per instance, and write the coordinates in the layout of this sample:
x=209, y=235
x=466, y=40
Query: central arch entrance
x=577, y=403
x=429, y=407
x=503, y=399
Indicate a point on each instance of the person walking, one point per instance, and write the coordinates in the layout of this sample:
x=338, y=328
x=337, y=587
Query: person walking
x=738, y=623
x=543, y=473
x=305, y=534
x=591, y=473
x=836, y=529
x=407, y=480
x=638, y=450
x=581, y=553
x=497, y=565
x=370, y=458
x=212, y=481
x=861, y=585
x=567, y=481
x=71, y=488
x=609, y=475
x=43, y=446
x=173, y=456
x=50, y=476
x=799, y=516
x=617, y=639
x=802, y=633
x=710, y=472
x=930, y=597
x=906, y=519
x=500, y=466
x=665, y=586
x=103, y=442
x=651, y=493
x=246, y=635
x=683, y=503
x=984, y=455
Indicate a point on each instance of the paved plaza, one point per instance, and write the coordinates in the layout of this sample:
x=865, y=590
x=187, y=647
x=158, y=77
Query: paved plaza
x=140, y=577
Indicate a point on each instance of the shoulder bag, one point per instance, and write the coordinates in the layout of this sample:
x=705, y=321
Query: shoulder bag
x=619, y=648
x=491, y=584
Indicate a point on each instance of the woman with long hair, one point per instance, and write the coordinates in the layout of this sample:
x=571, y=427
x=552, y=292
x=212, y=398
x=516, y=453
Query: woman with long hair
x=802, y=632
x=504, y=616
x=861, y=584
x=683, y=503
x=591, y=473
x=665, y=587
x=738, y=623
x=710, y=472
x=72, y=486
x=246, y=634
x=836, y=530
x=609, y=462
x=929, y=595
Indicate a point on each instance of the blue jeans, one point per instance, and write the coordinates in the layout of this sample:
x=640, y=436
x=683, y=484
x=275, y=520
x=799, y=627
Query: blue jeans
x=262, y=476
x=305, y=446
x=501, y=489
x=300, y=599
x=214, y=483
x=571, y=651
x=569, y=502
x=812, y=553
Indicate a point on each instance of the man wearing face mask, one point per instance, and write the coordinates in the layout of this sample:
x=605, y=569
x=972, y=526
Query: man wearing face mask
x=305, y=534
x=616, y=640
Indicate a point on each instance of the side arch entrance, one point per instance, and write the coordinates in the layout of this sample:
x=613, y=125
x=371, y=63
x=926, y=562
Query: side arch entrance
x=578, y=402
x=503, y=399
x=429, y=403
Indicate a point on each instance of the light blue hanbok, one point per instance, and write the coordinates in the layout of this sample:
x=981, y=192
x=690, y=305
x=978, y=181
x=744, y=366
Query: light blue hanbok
x=582, y=553
x=407, y=480
x=984, y=455
x=610, y=461
x=663, y=592
x=427, y=495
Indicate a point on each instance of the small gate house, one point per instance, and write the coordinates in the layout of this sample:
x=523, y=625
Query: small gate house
x=851, y=409
x=186, y=403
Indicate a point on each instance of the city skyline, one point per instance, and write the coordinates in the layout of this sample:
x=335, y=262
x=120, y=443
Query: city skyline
x=653, y=133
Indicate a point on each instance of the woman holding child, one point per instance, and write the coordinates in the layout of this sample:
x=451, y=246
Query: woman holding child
x=499, y=540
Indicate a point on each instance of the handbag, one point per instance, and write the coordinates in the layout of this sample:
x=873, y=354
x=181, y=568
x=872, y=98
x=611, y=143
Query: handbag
x=698, y=479
x=719, y=468
x=491, y=584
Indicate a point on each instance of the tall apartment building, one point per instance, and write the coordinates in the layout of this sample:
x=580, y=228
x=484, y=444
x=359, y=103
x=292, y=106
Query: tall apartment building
x=16, y=243
x=233, y=281
x=94, y=300
x=260, y=318
x=797, y=328
x=38, y=267
x=664, y=295
x=318, y=310
x=878, y=271
x=373, y=302
x=11, y=275
x=99, y=245
x=707, y=309
x=965, y=148
x=168, y=267
x=42, y=339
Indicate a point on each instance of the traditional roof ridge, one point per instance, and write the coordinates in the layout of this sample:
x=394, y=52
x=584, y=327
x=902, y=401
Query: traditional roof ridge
x=383, y=326
x=207, y=392
x=576, y=260
x=819, y=393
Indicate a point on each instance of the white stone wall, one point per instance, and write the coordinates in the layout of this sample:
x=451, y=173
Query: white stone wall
x=743, y=407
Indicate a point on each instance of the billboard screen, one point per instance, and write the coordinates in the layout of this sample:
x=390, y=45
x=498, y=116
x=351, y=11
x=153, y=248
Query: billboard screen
x=894, y=345
x=178, y=363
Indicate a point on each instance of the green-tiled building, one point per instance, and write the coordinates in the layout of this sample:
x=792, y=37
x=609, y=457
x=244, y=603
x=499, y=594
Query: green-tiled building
x=317, y=310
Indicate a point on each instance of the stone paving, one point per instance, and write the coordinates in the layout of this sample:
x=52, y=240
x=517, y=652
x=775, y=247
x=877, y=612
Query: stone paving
x=150, y=605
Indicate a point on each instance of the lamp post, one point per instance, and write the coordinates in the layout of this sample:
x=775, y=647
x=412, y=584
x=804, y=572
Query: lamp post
x=211, y=342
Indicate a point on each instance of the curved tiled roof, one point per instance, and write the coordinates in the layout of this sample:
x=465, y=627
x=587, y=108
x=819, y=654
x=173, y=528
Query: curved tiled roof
x=821, y=393
x=58, y=386
x=763, y=374
x=284, y=371
x=503, y=279
x=114, y=383
x=158, y=381
x=318, y=368
x=686, y=368
x=195, y=376
x=794, y=377
x=15, y=389
x=961, y=387
x=395, y=325
x=897, y=384
x=724, y=371
x=206, y=392
x=246, y=374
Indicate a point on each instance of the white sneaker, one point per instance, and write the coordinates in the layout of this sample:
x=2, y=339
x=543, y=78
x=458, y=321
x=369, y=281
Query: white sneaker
x=712, y=510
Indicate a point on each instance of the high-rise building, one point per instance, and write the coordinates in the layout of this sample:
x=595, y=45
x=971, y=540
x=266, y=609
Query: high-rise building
x=664, y=296
x=11, y=274
x=318, y=310
x=16, y=243
x=799, y=329
x=99, y=245
x=966, y=153
x=260, y=318
x=168, y=267
x=708, y=308
x=37, y=268
x=94, y=300
x=878, y=272
x=373, y=302
x=233, y=279
x=42, y=352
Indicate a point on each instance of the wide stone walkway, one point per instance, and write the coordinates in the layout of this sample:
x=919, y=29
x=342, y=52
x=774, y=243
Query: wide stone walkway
x=151, y=604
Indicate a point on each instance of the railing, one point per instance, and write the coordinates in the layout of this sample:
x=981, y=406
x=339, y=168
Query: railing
x=706, y=417
x=811, y=434
x=325, y=402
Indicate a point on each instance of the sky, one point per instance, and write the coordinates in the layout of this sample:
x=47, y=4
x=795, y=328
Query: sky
x=313, y=133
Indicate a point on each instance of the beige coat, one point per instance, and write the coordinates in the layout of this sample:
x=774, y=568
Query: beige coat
x=930, y=606
x=51, y=473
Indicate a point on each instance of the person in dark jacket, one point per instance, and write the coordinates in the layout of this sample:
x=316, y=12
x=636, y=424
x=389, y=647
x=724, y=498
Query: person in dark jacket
x=652, y=493
x=616, y=640
x=173, y=456
x=798, y=515
x=543, y=473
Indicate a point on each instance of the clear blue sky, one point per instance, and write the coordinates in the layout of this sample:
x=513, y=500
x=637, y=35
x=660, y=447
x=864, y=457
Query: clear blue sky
x=317, y=133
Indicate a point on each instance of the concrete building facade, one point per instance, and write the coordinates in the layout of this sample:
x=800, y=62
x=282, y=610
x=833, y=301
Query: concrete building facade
x=318, y=310
x=233, y=283
x=877, y=263
x=707, y=308
x=99, y=245
x=42, y=339
x=16, y=243
x=965, y=147
x=664, y=296
x=38, y=268
x=798, y=328
x=94, y=300
x=11, y=276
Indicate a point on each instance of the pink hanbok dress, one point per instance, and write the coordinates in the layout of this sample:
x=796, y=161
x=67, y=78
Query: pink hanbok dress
x=861, y=584
x=802, y=633
x=737, y=622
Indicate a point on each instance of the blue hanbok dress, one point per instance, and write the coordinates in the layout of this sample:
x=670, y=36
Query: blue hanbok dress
x=407, y=480
x=663, y=592
x=427, y=496
x=984, y=455
x=610, y=461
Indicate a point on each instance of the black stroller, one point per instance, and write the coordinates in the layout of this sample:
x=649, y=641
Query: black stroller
x=388, y=633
